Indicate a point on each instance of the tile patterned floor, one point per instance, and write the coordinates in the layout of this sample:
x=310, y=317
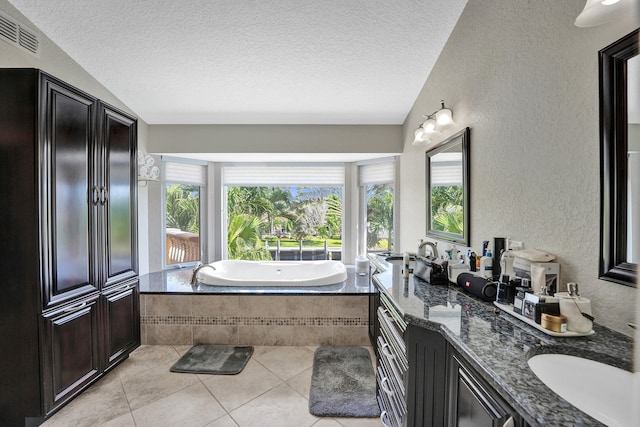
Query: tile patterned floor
x=272, y=390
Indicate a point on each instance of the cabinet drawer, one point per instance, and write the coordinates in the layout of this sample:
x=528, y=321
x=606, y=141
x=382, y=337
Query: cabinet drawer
x=71, y=358
x=392, y=365
x=395, y=373
x=390, y=308
x=394, y=341
x=395, y=415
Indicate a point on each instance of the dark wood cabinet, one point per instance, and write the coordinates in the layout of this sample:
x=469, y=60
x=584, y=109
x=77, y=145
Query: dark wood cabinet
x=72, y=335
x=427, y=378
x=69, y=306
x=121, y=322
x=472, y=402
x=118, y=194
x=65, y=156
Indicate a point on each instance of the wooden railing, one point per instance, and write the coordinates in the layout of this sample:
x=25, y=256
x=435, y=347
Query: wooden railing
x=182, y=246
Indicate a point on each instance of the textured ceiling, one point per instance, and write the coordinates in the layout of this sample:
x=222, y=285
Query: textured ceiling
x=254, y=62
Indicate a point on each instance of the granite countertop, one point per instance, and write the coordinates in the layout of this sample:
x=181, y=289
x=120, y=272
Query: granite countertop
x=497, y=345
x=178, y=281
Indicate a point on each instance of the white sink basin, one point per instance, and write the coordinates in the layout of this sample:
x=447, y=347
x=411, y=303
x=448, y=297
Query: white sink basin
x=602, y=391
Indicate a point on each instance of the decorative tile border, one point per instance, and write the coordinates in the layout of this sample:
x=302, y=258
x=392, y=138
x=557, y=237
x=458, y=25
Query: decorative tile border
x=253, y=321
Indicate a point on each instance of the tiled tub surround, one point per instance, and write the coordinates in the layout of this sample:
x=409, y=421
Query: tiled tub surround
x=499, y=345
x=174, y=312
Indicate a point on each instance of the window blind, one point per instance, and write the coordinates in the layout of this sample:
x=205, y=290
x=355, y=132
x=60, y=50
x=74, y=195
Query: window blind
x=283, y=175
x=186, y=173
x=446, y=169
x=376, y=173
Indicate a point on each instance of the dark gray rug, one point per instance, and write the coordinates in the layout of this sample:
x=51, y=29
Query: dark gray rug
x=343, y=383
x=213, y=359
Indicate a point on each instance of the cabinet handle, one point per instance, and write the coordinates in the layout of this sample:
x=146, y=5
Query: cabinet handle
x=383, y=417
x=389, y=355
x=509, y=422
x=95, y=195
x=122, y=288
x=75, y=308
x=105, y=196
x=385, y=387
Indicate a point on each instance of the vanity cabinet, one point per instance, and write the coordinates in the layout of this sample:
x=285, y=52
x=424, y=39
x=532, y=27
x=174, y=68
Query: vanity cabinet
x=427, y=378
x=70, y=304
x=472, y=402
x=391, y=375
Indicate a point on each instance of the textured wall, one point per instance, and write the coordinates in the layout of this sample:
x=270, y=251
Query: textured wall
x=525, y=79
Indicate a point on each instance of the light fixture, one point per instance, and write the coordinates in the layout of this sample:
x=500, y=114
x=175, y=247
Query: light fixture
x=147, y=171
x=597, y=12
x=444, y=116
x=434, y=121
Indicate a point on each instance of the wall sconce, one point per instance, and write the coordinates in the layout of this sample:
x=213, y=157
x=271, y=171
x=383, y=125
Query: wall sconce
x=147, y=171
x=434, y=121
x=597, y=12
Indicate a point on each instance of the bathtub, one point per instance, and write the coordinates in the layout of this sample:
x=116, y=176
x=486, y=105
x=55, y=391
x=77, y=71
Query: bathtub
x=273, y=273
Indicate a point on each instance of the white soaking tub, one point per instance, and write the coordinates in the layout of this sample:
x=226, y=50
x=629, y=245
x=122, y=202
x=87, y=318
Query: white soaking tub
x=273, y=273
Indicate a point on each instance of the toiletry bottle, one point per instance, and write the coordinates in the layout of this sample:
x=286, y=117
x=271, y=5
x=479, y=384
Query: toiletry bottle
x=485, y=245
x=473, y=265
x=486, y=265
x=405, y=270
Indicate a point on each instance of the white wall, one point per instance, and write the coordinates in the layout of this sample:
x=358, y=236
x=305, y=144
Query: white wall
x=525, y=80
x=57, y=63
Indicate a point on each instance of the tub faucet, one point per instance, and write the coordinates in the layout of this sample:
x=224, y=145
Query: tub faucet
x=199, y=266
x=433, y=246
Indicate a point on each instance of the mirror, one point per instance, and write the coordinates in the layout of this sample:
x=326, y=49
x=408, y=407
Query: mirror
x=448, y=189
x=619, y=191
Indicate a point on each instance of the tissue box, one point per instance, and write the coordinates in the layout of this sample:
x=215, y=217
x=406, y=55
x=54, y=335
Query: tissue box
x=455, y=270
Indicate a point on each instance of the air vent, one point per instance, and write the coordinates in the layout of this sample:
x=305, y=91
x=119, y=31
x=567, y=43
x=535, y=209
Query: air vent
x=19, y=35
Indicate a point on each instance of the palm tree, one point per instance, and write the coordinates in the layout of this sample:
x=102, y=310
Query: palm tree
x=243, y=239
x=380, y=214
x=446, y=209
x=183, y=207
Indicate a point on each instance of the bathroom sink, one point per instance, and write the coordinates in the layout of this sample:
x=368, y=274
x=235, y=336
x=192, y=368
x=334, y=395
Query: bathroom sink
x=602, y=391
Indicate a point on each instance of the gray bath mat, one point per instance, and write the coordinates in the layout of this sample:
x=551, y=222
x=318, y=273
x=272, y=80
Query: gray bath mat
x=213, y=359
x=343, y=383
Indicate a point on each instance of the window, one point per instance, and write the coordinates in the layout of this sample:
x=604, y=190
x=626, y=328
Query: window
x=184, y=190
x=284, y=212
x=376, y=183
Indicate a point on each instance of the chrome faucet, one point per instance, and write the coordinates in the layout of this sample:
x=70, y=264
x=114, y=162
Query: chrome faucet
x=433, y=246
x=200, y=266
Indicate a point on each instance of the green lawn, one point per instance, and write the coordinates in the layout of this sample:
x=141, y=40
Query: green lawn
x=314, y=243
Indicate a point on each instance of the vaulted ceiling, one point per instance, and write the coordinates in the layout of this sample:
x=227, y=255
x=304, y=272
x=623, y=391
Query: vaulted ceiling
x=254, y=61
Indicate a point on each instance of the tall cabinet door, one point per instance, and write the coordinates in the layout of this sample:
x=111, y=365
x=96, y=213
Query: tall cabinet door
x=68, y=196
x=71, y=359
x=118, y=141
x=121, y=322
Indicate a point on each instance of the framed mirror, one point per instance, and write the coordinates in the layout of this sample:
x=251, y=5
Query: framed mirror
x=619, y=164
x=448, y=189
